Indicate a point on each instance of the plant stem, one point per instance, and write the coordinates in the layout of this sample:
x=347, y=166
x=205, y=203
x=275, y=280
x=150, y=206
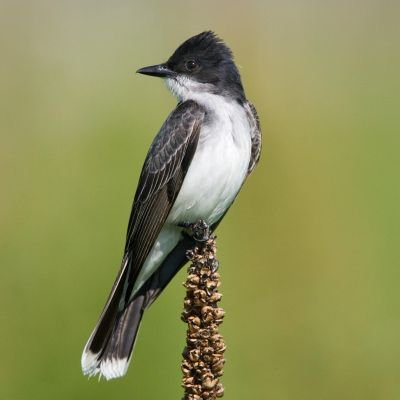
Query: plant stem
x=203, y=356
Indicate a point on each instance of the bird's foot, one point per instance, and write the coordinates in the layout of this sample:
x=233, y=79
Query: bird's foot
x=199, y=231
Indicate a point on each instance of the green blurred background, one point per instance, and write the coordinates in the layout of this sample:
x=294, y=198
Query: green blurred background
x=309, y=252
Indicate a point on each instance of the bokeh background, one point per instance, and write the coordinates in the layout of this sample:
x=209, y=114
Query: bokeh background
x=310, y=250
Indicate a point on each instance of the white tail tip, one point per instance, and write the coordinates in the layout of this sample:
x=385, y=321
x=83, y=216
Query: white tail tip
x=108, y=369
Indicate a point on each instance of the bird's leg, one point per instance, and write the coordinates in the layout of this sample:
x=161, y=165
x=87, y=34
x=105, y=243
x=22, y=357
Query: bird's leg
x=199, y=231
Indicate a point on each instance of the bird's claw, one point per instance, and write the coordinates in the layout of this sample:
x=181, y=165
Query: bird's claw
x=199, y=231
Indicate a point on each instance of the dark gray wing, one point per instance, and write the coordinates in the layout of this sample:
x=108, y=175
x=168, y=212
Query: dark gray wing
x=162, y=175
x=255, y=135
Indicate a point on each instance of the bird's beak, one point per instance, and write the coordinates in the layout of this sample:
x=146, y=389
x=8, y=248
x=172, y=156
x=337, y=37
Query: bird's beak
x=160, y=70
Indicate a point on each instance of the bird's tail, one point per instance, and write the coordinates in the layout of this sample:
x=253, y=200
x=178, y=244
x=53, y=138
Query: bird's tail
x=110, y=345
x=112, y=360
x=109, y=348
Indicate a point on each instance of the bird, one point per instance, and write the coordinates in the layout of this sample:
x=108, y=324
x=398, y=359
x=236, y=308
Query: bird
x=193, y=171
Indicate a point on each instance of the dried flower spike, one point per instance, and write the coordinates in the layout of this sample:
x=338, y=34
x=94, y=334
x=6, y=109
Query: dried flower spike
x=203, y=358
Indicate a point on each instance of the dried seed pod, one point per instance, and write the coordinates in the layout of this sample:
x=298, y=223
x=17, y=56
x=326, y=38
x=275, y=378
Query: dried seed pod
x=194, y=279
x=204, y=333
x=217, y=366
x=209, y=383
x=194, y=320
x=208, y=350
x=188, y=381
x=215, y=297
x=219, y=391
x=219, y=313
x=194, y=355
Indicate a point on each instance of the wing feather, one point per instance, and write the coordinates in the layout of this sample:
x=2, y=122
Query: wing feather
x=255, y=136
x=161, y=178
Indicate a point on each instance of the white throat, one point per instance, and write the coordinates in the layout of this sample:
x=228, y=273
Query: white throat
x=204, y=94
x=185, y=88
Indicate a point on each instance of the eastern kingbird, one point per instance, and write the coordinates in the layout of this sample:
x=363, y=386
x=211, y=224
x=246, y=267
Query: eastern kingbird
x=194, y=170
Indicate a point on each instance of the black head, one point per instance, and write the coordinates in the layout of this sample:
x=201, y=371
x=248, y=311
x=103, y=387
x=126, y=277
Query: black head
x=201, y=63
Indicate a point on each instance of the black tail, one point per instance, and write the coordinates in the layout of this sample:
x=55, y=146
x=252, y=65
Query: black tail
x=109, y=348
x=94, y=358
x=112, y=360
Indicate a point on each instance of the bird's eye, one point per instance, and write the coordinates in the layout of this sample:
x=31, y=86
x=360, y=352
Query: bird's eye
x=191, y=65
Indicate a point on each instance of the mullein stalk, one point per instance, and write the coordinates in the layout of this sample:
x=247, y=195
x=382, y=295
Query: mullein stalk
x=203, y=356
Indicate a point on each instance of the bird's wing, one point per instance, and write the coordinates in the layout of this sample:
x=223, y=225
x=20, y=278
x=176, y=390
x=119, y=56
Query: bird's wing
x=162, y=175
x=163, y=172
x=255, y=136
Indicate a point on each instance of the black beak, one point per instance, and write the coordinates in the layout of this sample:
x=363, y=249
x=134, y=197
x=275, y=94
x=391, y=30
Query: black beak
x=160, y=70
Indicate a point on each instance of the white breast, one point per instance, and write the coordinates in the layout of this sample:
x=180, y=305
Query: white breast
x=219, y=165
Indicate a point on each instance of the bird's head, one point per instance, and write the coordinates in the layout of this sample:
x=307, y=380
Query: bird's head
x=201, y=65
